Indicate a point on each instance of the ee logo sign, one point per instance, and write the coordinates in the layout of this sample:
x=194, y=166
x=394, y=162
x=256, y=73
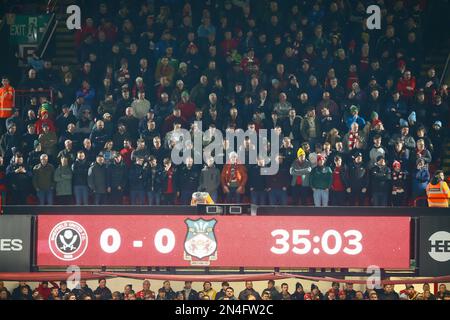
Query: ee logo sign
x=440, y=246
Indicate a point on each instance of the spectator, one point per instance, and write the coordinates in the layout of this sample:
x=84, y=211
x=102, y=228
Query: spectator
x=380, y=176
x=168, y=182
x=48, y=141
x=278, y=184
x=310, y=126
x=399, y=191
x=233, y=179
x=44, y=291
x=167, y=291
x=299, y=293
x=43, y=181
x=355, y=117
x=136, y=181
x=83, y=290
x=102, y=292
x=257, y=183
x=10, y=142
x=443, y=293
x=153, y=182
x=63, y=182
x=389, y=293
x=145, y=293
x=357, y=181
x=421, y=153
x=339, y=182
x=188, y=292
x=243, y=295
x=229, y=294
x=321, y=179
x=97, y=179
x=274, y=294
x=117, y=176
x=284, y=294
x=80, y=169
x=300, y=171
x=140, y=106
x=209, y=180
x=18, y=180
x=377, y=150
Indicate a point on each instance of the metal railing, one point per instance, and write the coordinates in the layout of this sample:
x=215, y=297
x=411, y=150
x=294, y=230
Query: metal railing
x=22, y=97
x=48, y=36
x=51, y=5
x=444, y=72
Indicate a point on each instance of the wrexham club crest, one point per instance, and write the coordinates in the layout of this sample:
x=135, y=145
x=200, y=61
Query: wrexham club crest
x=200, y=246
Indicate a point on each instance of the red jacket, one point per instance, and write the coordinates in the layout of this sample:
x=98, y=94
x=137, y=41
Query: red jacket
x=40, y=122
x=241, y=176
x=45, y=292
x=187, y=109
x=126, y=155
x=403, y=83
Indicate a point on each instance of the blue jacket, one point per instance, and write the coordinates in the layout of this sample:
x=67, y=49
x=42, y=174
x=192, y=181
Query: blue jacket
x=420, y=181
x=359, y=120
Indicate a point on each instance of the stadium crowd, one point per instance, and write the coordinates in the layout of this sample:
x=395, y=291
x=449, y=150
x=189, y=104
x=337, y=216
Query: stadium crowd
x=357, y=120
x=102, y=292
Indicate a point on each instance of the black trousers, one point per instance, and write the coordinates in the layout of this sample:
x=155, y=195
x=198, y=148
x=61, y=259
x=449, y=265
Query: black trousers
x=168, y=199
x=338, y=198
x=300, y=195
x=356, y=198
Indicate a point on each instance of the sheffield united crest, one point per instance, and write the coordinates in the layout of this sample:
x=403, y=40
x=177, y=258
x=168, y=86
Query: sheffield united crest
x=200, y=246
x=68, y=240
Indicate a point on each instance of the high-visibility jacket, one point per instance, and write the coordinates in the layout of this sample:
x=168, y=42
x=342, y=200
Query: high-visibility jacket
x=6, y=101
x=438, y=194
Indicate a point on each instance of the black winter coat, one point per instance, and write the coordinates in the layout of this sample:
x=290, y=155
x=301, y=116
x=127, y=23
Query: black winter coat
x=80, y=173
x=97, y=178
x=136, y=178
x=380, y=178
x=256, y=180
x=153, y=179
x=187, y=179
x=357, y=177
x=117, y=175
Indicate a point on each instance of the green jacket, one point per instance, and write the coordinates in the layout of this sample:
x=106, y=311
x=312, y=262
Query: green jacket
x=43, y=177
x=321, y=177
x=63, y=180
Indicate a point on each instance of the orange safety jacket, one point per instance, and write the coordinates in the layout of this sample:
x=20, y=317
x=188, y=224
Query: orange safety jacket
x=438, y=194
x=6, y=101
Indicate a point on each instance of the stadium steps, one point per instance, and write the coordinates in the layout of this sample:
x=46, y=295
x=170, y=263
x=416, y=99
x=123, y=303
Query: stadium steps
x=65, y=52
